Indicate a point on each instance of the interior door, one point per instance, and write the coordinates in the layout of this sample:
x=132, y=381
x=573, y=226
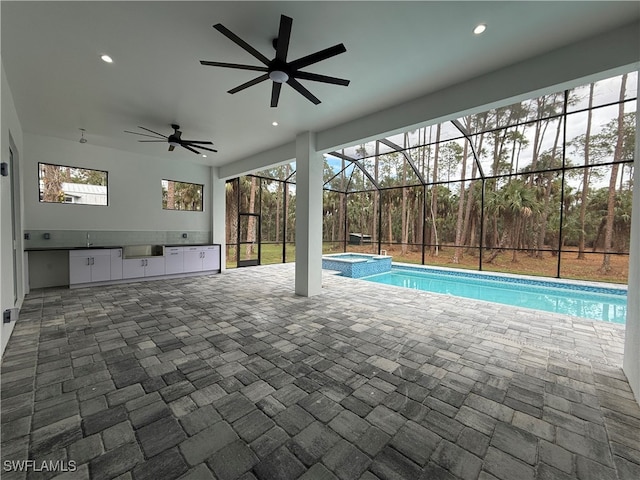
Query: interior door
x=248, y=249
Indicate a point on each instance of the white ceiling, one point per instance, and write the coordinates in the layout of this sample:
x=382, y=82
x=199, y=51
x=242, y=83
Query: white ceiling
x=396, y=51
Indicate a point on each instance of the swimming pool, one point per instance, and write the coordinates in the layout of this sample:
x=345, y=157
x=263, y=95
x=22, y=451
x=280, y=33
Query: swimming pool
x=580, y=299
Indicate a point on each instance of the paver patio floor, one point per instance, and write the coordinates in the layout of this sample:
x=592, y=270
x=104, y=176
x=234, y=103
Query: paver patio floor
x=234, y=377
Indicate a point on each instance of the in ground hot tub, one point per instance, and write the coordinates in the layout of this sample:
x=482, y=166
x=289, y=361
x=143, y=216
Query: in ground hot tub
x=356, y=265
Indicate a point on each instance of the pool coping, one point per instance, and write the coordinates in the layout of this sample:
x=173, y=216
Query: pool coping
x=600, y=287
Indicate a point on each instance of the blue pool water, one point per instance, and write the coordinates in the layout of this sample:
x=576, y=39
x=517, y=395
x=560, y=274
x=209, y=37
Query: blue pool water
x=587, y=301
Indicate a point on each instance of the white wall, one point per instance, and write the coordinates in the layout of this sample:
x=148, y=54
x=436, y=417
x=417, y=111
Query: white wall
x=135, y=192
x=11, y=137
x=632, y=332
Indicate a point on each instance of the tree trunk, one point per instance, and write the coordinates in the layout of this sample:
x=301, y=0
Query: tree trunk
x=434, y=197
x=504, y=240
x=584, y=195
x=251, y=220
x=376, y=199
x=457, y=252
x=547, y=197
x=469, y=227
x=611, y=201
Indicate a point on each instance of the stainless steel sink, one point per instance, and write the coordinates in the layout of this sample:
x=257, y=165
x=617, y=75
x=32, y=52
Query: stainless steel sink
x=141, y=251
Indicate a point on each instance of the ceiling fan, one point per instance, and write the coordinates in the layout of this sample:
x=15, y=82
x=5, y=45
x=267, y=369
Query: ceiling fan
x=278, y=70
x=175, y=140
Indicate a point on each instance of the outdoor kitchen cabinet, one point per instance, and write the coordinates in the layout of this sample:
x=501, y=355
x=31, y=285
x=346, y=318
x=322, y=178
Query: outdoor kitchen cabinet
x=87, y=266
x=116, y=264
x=142, y=267
x=174, y=260
x=201, y=258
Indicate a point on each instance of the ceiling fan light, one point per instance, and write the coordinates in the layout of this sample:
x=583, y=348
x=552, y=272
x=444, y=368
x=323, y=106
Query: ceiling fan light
x=174, y=143
x=278, y=76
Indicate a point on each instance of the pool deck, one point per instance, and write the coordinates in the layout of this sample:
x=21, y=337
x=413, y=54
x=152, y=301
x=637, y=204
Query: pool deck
x=232, y=376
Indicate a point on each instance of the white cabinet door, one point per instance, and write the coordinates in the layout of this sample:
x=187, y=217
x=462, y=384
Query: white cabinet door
x=211, y=257
x=192, y=259
x=173, y=260
x=116, y=263
x=133, y=268
x=101, y=267
x=87, y=266
x=153, y=266
x=79, y=269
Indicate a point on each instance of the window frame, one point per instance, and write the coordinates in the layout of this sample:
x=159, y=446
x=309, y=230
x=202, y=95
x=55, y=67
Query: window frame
x=66, y=195
x=164, y=207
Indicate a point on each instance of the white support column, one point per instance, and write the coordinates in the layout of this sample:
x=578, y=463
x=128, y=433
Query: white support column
x=308, y=216
x=631, y=363
x=218, y=214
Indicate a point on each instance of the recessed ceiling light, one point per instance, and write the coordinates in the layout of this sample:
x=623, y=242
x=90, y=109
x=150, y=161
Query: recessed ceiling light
x=204, y=155
x=479, y=29
x=106, y=58
x=275, y=124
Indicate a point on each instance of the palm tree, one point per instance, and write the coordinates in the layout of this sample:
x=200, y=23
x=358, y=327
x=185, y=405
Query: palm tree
x=513, y=203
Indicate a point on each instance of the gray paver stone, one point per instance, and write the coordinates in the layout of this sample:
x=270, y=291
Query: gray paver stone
x=232, y=460
x=117, y=435
x=458, y=461
x=346, y=461
x=234, y=406
x=168, y=465
x=160, y=435
x=252, y=425
x=416, y=442
x=201, y=472
x=516, y=442
x=269, y=441
x=200, y=419
x=115, y=462
x=556, y=456
x=386, y=419
x=104, y=419
x=86, y=449
x=392, y=465
x=293, y=420
x=349, y=425
x=280, y=465
x=372, y=441
x=318, y=472
x=312, y=443
x=149, y=413
x=197, y=448
x=505, y=467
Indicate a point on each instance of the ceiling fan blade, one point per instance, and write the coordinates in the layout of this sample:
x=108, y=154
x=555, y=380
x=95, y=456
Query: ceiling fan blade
x=171, y=148
x=234, y=65
x=303, y=91
x=152, y=141
x=189, y=148
x=205, y=142
x=320, y=78
x=250, y=83
x=284, y=35
x=236, y=39
x=318, y=56
x=164, y=136
x=201, y=147
x=138, y=133
x=275, y=93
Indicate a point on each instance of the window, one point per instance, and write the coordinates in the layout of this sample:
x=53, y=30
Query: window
x=64, y=184
x=181, y=196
